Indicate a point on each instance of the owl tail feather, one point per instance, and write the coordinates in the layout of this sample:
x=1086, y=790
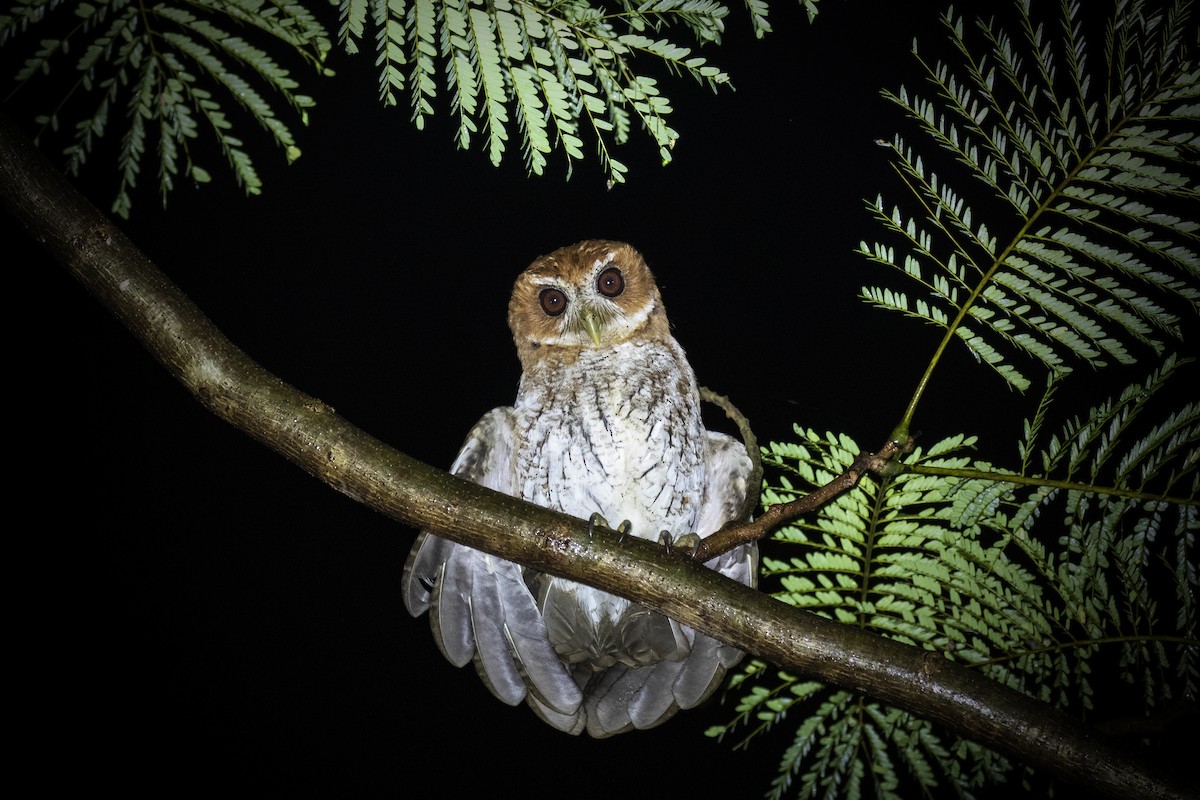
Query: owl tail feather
x=512, y=654
x=592, y=629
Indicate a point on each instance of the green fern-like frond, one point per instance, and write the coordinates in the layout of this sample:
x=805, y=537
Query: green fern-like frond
x=560, y=69
x=565, y=71
x=886, y=557
x=168, y=73
x=1087, y=248
x=1123, y=544
x=1037, y=579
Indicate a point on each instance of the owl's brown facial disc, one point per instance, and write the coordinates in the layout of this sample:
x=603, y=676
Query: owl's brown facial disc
x=596, y=293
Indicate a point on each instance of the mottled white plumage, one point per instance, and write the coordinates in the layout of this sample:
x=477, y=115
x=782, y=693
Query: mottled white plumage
x=606, y=420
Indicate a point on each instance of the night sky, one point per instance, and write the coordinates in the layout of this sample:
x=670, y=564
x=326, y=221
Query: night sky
x=202, y=614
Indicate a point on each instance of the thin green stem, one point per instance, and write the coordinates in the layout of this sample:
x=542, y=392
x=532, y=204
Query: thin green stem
x=1025, y=480
x=1060, y=646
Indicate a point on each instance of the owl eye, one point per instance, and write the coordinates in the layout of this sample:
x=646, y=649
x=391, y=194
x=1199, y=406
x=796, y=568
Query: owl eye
x=553, y=301
x=611, y=282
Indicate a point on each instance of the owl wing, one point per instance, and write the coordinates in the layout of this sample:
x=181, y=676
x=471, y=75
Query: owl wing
x=729, y=469
x=479, y=606
x=624, y=698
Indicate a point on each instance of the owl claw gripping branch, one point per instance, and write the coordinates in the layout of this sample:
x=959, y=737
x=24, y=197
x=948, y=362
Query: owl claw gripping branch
x=688, y=542
x=606, y=424
x=597, y=521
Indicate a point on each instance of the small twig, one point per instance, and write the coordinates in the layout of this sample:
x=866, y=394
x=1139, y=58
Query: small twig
x=732, y=536
x=750, y=440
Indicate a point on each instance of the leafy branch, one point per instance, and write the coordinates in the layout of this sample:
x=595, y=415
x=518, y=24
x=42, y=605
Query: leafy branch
x=158, y=69
x=1086, y=179
x=564, y=70
x=572, y=64
x=1086, y=251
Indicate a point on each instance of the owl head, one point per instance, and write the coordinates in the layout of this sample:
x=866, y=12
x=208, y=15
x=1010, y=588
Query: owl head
x=593, y=294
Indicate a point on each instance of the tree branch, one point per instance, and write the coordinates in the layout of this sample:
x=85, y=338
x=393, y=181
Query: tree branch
x=312, y=436
x=732, y=536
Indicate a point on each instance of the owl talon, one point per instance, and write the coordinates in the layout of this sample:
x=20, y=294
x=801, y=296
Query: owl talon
x=688, y=541
x=598, y=521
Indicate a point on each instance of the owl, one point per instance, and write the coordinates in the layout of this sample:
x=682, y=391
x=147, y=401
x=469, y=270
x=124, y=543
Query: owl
x=606, y=422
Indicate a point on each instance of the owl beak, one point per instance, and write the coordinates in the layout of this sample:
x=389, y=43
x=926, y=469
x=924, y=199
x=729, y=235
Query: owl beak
x=591, y=324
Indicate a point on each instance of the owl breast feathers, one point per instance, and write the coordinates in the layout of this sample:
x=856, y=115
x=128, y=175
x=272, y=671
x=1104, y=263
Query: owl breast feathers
x=606, y=420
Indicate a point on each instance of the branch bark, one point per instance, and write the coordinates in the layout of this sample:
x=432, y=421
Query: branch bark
x=311, y=435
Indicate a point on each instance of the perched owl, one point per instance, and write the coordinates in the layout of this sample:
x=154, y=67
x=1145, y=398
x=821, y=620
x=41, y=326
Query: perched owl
x=606, y=421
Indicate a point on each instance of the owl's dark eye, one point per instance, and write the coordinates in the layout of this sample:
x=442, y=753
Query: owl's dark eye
x=611, y=282
x=553, y=301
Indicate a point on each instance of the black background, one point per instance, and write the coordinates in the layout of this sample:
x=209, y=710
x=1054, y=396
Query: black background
x=201, y=615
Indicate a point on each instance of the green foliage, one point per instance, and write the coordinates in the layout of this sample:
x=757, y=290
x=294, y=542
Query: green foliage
x=1084, y=176
x=1074, y=571
x=168, y=73
x=950, y=556
x=564, y=71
